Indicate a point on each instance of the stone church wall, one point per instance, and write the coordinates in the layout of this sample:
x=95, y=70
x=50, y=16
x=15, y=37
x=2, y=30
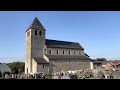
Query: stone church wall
x=43, y=68
x=67, y=65
x=66, y=51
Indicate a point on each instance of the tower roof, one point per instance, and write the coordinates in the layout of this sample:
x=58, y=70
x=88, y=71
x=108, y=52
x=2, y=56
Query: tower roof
x=36, y=24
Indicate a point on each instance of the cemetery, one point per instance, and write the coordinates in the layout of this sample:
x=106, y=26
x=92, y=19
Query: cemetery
x=76, y=74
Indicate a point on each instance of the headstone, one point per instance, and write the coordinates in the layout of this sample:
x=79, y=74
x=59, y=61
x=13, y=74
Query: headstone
x=55, y=77
x=15, y=75
x=21, y=76
x=65, y=77
x=12, y=75
x=6, y=76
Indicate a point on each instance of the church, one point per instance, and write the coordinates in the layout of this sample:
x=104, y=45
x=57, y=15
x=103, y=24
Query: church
x=50, y=56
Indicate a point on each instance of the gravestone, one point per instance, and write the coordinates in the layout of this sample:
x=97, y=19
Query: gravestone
x=13, y=76
x=6, y=76
x=55, y=77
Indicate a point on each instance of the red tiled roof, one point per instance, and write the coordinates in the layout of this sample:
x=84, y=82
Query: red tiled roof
x=114, y=63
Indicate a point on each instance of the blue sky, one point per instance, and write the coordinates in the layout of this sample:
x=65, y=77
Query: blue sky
x=97, y=31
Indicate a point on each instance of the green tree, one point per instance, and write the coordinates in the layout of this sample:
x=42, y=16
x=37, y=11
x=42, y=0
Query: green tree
x=17, y=67
x=103, y=59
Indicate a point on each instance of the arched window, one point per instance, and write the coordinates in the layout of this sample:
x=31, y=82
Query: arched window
x=80, y=52
x=50, y=52
x=63, y=52
x=69, y=52
x=45, y=51
x=40, y=33
x=35, y=32
x=57, y=51
x=74, y=52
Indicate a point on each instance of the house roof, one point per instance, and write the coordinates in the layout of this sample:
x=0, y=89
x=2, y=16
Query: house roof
x=102, y=62
x=67, y=57
x=40, y=60
x=114, y=63
x=63, y=44
x=4, y=68
x=36, y=24
x=86, y=55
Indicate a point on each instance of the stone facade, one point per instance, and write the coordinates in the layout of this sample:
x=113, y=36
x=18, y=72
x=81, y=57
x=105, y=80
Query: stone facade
x=43, y=68
x=66, y=51
x=28, y=60
x=34, y=65
x=35, y=45
x=37, y=51
x=66, y=65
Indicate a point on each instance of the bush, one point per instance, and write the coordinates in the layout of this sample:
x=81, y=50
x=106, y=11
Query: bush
x=31, y=77
x=2, y=77
x=73, y=76
x=48, y=77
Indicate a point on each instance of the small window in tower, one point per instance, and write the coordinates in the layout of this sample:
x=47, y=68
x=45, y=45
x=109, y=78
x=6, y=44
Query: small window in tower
x=35, y=32
x=28, y=33
x=69, y=61
x=45, y=51
x=57, y=51
x=63, y=52
x=40, y=33
x=69, y=52
x=27, y=70
x=79, y=52
x=74, y=52
x=50, y=51
x=43, y=66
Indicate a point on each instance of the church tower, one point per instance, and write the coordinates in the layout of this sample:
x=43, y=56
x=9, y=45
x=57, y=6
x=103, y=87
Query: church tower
x=35, y=44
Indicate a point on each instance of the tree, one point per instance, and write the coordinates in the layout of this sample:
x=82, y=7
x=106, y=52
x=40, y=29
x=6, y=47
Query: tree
x=104, y=59
x=17, y=67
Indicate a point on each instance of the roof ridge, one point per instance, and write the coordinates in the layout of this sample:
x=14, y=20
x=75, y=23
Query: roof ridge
x=62, y=41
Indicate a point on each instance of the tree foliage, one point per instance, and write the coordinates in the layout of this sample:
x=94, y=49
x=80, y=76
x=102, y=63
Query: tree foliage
x=17, y=67
x=104, y=59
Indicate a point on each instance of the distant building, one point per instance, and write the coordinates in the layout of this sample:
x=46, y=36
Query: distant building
x=4, y=68
x=114, y=65
x=49, y=56
x=99, y=63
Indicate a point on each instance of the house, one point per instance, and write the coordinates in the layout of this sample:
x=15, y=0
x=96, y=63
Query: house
x=4, y=68
x=98, y=63
x=114, y=65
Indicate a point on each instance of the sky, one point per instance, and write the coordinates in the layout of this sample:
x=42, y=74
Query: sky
x=98, y=32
